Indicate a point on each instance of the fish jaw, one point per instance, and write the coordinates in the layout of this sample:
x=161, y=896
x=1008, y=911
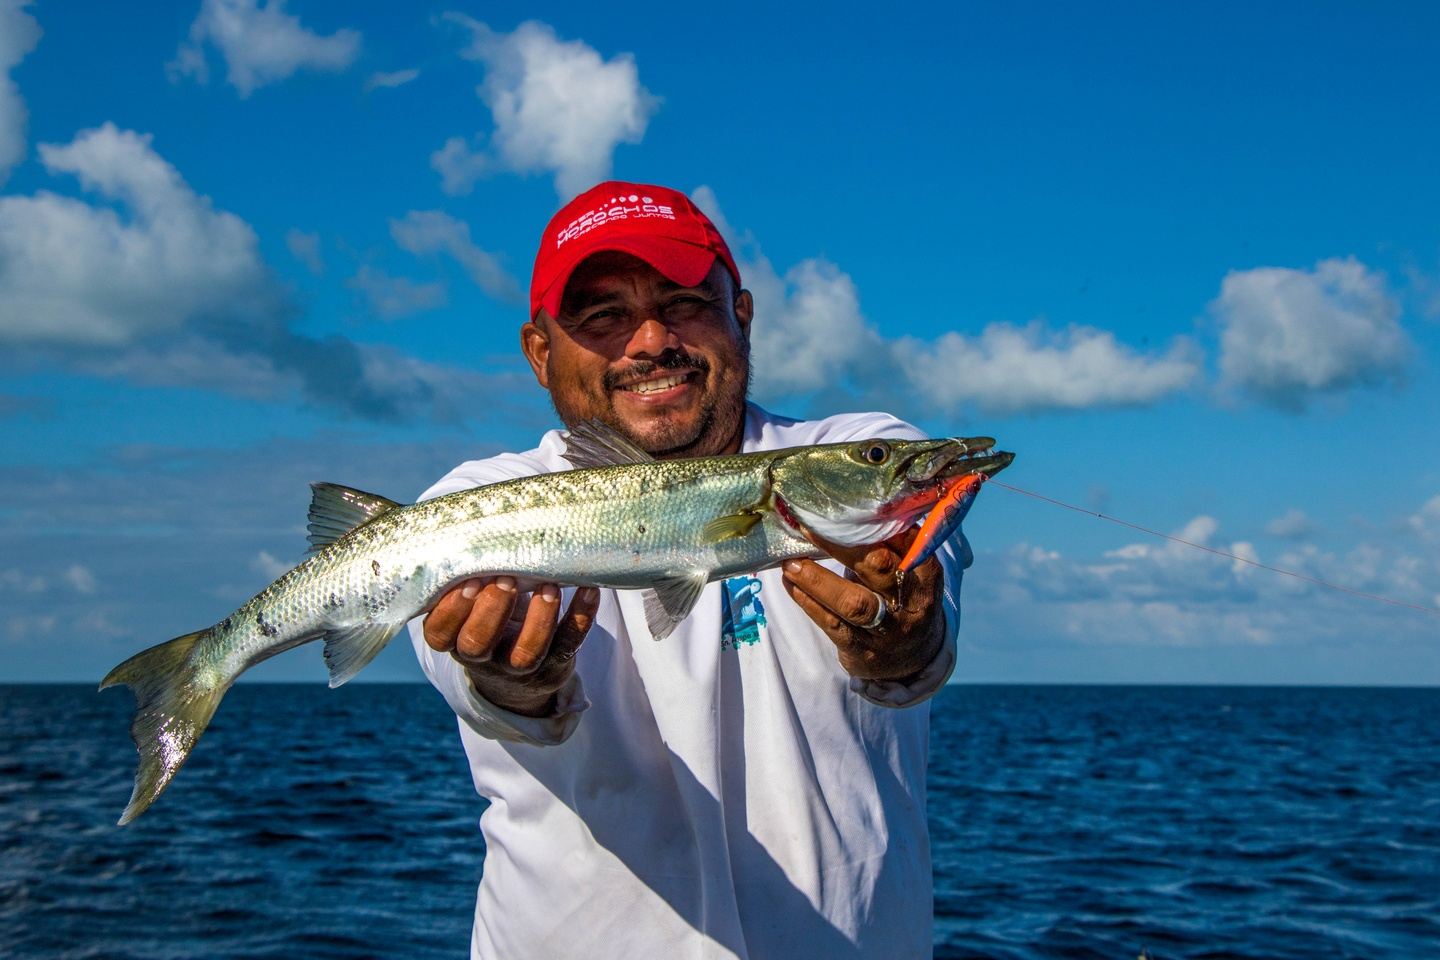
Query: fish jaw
x=871, y=490
x=934, y=477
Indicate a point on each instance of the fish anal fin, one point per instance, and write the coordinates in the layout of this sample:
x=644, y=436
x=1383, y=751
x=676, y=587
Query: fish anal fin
x=670, y=601
x=731, y=526
x=592, y=443
x=336, y=510
x=349, y=649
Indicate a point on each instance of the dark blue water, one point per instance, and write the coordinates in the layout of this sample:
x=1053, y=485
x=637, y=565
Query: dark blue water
x=1067, y=822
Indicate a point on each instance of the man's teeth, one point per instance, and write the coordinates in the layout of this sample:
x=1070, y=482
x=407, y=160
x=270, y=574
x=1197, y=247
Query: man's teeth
x=654, y=386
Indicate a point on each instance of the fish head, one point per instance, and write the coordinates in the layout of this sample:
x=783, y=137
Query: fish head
x=867, y=491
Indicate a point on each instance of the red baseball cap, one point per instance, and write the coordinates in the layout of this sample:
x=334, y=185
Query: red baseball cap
x=659, y=225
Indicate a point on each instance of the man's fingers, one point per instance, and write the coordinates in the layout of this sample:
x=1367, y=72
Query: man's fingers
x=575, y=624
x=859, y=655
x=855, y=603
x=874, y=564
x=824, y=617
x=538, y=626
x=877, y=566
x=486, y=622
x=443, y=623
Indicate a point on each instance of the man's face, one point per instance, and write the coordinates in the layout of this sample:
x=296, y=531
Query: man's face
x=667, y=366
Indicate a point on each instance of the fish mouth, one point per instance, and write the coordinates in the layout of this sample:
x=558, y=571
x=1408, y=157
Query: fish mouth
x=957, y=457
x=932, y=473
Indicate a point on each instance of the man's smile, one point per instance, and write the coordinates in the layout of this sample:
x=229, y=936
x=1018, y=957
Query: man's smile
x=661, y=382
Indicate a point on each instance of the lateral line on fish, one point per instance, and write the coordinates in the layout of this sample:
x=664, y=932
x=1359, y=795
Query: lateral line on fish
x=1221, y=553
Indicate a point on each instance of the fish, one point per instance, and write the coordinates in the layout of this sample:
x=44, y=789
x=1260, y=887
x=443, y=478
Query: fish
x=619, y=519
x=943, y=520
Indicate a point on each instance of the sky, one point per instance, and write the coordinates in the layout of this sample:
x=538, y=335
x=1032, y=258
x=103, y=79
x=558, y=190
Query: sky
x=1184, y=261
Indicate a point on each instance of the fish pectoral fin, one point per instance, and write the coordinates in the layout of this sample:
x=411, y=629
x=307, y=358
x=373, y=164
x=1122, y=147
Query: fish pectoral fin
x=671, y=600
x=592, y=443
x=731, y=526
x=336, y=510
x=349, y=649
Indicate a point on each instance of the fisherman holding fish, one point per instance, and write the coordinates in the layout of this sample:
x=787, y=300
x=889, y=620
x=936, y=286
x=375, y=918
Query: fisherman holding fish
x=699, y=796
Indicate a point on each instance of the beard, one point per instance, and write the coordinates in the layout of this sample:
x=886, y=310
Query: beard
x=672, y=434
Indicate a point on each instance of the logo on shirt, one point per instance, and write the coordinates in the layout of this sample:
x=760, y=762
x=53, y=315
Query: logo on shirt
x=742, y=613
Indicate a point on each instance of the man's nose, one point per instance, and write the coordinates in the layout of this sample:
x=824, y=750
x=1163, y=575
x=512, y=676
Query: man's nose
x=652, y=338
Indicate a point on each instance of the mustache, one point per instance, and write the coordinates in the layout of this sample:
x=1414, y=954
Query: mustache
x=669, y=360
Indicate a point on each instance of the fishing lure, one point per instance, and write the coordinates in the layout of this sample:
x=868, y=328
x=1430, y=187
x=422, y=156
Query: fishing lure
x=942, y=521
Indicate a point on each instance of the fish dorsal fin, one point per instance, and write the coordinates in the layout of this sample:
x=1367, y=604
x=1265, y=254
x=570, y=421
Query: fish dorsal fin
x=670, y=600
x=336, y=510
x=592, y=443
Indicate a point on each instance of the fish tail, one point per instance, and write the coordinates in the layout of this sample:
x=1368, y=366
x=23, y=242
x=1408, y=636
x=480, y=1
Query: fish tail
x=174, y=701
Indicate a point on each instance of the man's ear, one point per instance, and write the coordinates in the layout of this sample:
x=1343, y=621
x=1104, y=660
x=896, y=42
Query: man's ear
x=744, y=311
x=535, y=344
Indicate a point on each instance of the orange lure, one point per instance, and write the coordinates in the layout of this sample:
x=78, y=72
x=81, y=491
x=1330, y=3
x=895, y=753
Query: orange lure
x=943, y=520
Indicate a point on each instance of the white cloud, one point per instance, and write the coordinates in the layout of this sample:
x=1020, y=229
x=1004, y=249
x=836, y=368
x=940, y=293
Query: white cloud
x=1287, y=334
x=1424, y=291
x=161, y=288
x=423, y=232
x=305, y=247
x=18, y=35
x=809, y=332
x=21, y=581
x=1426, y=520
x=391, y=297
x=76, y=274
x=274, y=363
x=192, y=359
x=557, y=107
x=28, y=626
x=1156, y=592
x=80, y=578
x=392, y=79
x=810, y=335
x=460, y=166
x=265, y=564
x=1013, y=369
x=1293, y=524
x=260, y=44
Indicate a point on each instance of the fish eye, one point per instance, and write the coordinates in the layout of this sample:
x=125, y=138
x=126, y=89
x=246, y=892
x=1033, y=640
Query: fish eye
x=875, y=453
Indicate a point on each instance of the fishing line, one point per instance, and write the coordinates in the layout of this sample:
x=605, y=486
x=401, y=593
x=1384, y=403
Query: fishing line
x=1220, y=553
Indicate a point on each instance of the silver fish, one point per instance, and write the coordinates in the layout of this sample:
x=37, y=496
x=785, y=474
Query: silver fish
x=621, y=519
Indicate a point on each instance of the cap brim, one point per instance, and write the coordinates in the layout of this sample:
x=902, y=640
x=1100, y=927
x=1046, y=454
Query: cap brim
x=684, y=263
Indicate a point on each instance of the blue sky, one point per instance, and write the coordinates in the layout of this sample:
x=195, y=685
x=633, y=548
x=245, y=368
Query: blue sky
x=1184, y=262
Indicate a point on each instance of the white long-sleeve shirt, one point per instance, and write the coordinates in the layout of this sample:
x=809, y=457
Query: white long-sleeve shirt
x=729, y=792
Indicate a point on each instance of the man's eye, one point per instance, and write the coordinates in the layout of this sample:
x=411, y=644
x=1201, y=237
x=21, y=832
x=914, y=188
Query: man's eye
x=687, y=304
x=600, y=319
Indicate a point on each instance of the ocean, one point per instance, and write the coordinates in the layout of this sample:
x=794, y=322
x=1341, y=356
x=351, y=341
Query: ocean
x=1067, y=822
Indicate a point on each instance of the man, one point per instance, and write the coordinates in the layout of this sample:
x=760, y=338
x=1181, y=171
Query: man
x=754, y=785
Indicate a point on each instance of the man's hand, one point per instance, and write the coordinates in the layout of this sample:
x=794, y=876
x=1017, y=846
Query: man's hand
x=517, y=648
x=907, y=632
